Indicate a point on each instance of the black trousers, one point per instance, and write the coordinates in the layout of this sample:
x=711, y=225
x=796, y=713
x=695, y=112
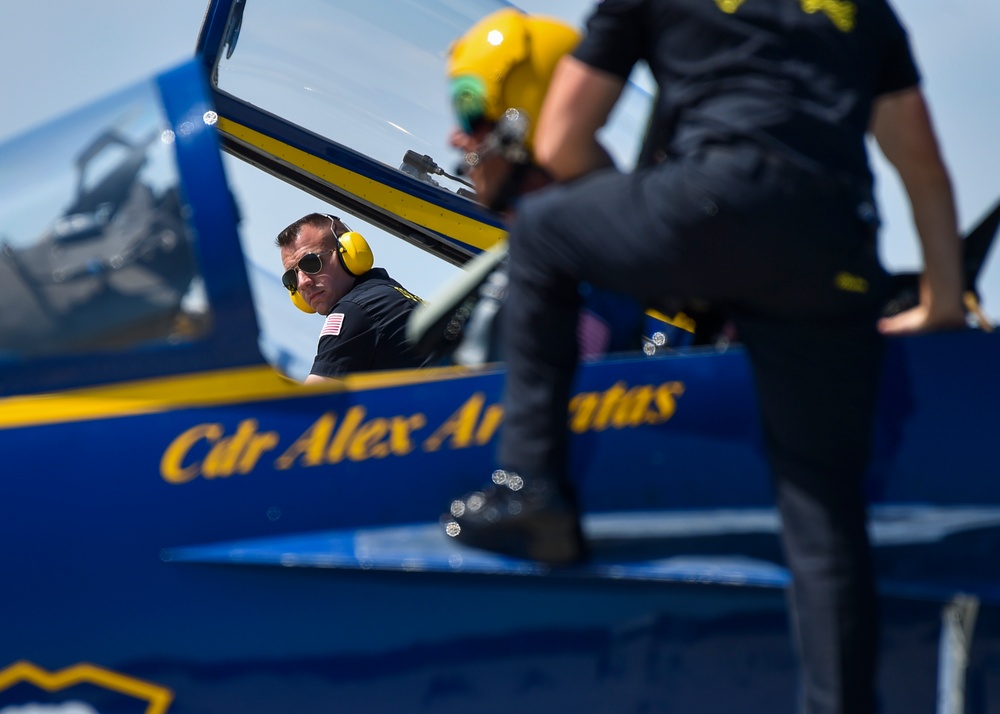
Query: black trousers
x=786, y=253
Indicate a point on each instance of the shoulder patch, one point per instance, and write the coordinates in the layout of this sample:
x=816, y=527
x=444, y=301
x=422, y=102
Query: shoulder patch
x=334, y=323
x=407, y=294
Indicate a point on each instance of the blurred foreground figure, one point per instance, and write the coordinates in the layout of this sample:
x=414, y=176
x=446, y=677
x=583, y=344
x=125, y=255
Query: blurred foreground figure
x=496, y=90
x=754, y=193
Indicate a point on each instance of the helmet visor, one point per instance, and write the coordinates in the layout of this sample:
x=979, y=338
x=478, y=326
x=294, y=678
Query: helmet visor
x=468, y=100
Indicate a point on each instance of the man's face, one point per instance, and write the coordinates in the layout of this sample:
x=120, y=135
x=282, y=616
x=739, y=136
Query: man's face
x=324, y=289
x=490, y=172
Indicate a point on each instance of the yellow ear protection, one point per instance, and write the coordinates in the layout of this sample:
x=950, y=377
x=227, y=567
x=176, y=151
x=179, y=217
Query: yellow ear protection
x=300, y=302
x=353, y=253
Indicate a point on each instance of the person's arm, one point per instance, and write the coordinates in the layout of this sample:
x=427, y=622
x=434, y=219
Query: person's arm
x=577, y=104
x=902, y=126
x=316, y=379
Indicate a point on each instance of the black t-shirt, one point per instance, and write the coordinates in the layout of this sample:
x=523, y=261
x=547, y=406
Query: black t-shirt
x=797, y=76
x=366, y=329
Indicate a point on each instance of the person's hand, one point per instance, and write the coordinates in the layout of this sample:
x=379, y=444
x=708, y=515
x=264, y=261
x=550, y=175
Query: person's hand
x=921, y=319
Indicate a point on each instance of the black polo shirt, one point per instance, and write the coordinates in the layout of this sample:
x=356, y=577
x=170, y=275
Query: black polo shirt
x=796, y=76
x=366, y=329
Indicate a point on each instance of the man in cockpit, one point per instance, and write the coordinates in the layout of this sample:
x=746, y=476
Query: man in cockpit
x=329, y=270
x=757, y=193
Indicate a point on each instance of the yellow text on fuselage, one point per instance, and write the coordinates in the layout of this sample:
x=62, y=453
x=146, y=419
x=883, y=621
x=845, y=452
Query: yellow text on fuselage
x=208, y=451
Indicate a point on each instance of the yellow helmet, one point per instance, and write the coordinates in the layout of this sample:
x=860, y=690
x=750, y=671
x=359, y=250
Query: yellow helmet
x=505, y=61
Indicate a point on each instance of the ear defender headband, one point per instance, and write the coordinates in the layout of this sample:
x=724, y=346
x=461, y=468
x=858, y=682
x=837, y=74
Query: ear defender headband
x=353, y=253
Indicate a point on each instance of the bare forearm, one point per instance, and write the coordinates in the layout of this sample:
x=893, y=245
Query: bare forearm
x=934, y=217
x=577, y=105
x=318, y=379
x=902, y=126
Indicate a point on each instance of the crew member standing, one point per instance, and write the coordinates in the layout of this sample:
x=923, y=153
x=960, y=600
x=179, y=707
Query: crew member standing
x=756, y=195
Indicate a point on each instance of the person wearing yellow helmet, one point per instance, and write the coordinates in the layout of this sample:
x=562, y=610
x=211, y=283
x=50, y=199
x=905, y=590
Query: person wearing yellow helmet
x=498, y=73
x=755, y=192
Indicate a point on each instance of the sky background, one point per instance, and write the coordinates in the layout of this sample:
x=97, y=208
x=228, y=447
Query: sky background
x=58, y=56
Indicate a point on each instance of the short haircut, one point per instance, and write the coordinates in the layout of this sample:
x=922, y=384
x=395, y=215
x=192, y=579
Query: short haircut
x=316, y=220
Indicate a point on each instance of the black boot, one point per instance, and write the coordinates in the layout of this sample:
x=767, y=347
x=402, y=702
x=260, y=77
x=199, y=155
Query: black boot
x=531, y=518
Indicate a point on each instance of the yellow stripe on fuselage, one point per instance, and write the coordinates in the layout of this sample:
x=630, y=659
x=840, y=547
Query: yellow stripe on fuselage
x=202, y=389
x=409, y=208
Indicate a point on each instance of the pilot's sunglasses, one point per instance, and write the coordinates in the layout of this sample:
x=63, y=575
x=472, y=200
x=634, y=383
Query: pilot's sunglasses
x=310, y=264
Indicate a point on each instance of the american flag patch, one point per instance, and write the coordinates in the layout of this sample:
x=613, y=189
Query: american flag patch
x=333, y=324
